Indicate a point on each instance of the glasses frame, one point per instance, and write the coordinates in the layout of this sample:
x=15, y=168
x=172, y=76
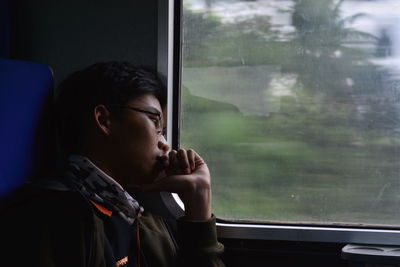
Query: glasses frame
x=160, y=129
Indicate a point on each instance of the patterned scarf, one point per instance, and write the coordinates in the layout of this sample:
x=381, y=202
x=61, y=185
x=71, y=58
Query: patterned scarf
x=97, y=186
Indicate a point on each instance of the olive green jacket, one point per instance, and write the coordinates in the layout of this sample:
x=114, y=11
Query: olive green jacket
x=54, y=228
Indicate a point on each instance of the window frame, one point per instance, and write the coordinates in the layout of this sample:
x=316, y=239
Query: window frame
x=170, y=64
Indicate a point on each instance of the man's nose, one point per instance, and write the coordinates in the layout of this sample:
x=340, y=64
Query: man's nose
x=163, y=145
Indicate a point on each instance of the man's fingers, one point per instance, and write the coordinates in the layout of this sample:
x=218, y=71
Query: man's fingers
x=183, y=161
x=191, y=157
x=173, y=167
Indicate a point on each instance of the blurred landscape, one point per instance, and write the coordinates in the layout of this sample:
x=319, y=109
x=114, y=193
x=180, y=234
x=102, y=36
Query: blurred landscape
x=295, y=107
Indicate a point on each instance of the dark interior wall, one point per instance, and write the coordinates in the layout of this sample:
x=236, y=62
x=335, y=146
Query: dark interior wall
x=70, y=34
x=4, y=29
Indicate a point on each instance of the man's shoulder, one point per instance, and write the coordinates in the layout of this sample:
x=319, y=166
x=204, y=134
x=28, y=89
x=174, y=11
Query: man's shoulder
x=42, y=220
x=44, y=198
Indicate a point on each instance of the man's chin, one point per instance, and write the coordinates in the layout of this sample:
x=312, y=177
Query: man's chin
x=152, y=177
x=148, y=177
x=160, y=175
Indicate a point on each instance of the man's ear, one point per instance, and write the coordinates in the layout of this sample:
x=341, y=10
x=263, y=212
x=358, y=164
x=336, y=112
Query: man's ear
x=102, y=118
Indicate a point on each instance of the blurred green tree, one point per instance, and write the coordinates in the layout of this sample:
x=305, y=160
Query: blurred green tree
x=198, y=28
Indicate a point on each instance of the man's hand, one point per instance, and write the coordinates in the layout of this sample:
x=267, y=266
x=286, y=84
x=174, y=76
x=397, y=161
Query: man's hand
x=187, y=175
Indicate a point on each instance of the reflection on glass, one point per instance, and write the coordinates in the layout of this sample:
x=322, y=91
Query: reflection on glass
x=294, y=104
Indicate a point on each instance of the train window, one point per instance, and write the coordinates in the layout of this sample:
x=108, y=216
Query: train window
x=295, y=106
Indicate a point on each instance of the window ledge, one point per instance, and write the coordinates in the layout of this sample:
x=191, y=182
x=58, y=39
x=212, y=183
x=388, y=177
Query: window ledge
x=309, y=233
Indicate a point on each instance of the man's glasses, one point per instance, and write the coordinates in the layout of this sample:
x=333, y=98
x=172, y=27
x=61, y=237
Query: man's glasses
x=158, y=122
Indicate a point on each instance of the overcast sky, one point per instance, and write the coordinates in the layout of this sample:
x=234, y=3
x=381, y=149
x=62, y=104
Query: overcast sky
x=382, y=14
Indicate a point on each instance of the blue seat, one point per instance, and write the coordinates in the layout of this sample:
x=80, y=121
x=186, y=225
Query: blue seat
x=27, y=142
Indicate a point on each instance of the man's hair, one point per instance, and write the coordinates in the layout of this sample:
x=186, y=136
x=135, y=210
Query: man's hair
x=107, y=83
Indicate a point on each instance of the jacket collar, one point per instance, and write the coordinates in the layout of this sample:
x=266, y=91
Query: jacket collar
x=97, y=186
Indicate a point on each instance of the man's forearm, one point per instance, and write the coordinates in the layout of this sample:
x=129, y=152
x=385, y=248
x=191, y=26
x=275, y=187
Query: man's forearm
x=198, y=205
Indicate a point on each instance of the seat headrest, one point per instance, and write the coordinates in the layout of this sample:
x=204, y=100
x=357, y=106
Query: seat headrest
x=26, y=94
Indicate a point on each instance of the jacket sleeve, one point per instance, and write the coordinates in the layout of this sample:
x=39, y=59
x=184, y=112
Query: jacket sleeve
x=198, y=244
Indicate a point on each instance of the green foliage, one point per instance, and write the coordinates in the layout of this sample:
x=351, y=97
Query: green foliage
x=198, y=28
x=323, y=61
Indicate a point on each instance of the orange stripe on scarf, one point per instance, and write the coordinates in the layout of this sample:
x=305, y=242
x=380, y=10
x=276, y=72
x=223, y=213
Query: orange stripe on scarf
x=101, y=208
x=122, y=261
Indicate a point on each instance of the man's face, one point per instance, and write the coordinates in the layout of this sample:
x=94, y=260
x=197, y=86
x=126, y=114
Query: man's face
x=136, y=142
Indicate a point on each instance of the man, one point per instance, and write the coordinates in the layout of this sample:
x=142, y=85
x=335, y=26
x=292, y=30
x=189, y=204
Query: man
x=110, y=123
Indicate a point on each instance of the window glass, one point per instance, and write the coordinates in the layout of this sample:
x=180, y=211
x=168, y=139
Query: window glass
x=295, y=107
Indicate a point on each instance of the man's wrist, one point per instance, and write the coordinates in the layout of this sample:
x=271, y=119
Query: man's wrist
x=198, y=205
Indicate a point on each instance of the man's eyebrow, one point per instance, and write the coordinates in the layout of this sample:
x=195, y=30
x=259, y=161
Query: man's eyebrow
x=149, y=107
x=152, y=109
